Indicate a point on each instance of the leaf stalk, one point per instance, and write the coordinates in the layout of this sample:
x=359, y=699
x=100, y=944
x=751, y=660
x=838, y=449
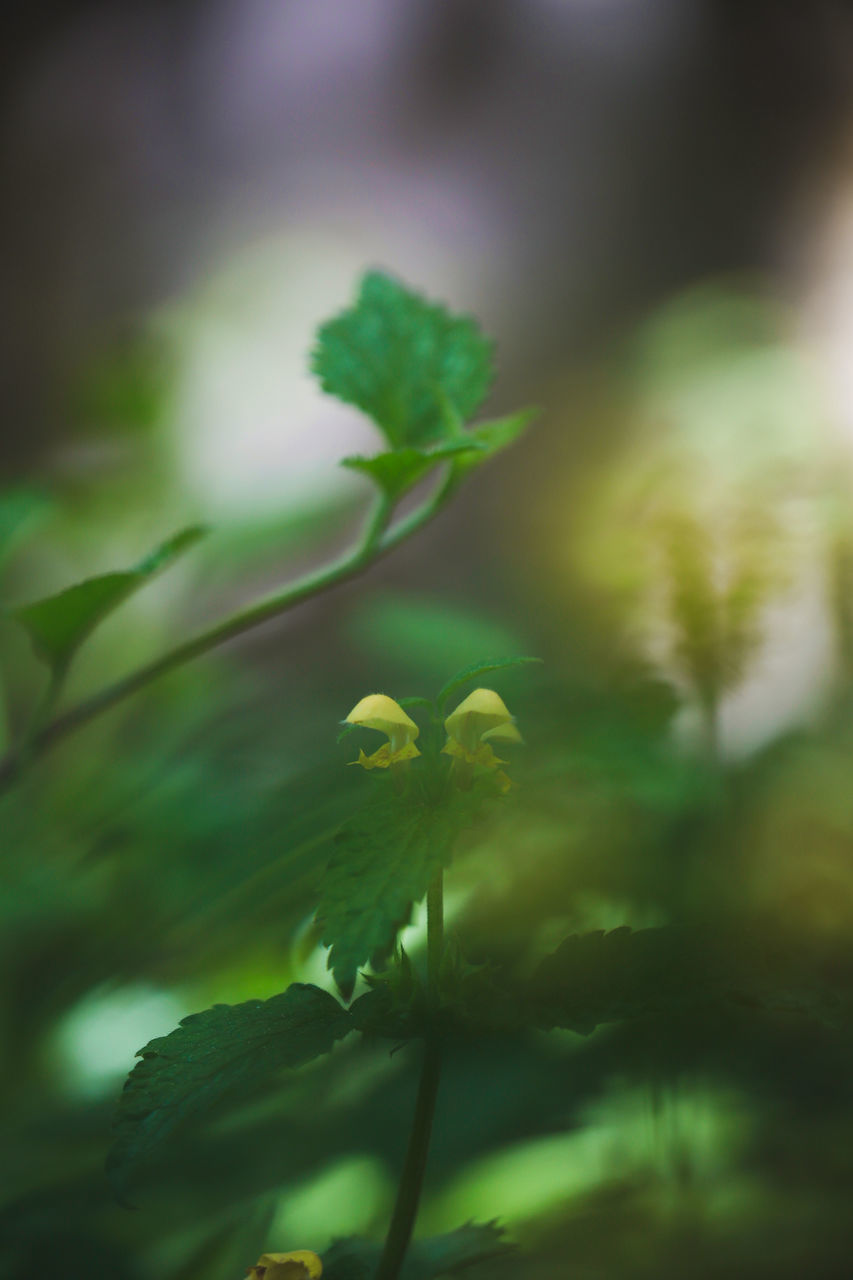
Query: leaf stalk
x=378, y=540
x=414, y=1166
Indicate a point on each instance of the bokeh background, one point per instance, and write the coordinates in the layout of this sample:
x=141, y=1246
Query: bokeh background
x=650, y=207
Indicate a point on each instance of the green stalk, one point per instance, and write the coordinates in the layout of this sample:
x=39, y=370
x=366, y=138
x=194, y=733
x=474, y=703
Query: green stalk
x=414, y=1166
x=376, y=541
x=42, y=712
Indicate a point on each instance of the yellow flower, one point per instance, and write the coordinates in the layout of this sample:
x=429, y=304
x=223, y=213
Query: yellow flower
x=481, y=719
x=300, y=1265
x=378, y=711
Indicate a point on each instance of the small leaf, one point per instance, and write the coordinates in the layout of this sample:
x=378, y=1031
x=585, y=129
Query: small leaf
x=58, y=625
x=493, y=437
x=476, y=669
x=227, y=1050
x=356, y=1258
x=409, y=364
x=400, y=469
x=384, y=860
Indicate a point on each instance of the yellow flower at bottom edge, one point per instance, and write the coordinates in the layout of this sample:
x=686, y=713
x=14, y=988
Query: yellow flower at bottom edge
x=481, y=719
x=300, y=1265
x=378, y=711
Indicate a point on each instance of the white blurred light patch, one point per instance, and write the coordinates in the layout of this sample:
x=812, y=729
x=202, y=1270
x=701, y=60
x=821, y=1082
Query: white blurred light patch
x=95, y=1045
x=253, y=432
x=826, y=315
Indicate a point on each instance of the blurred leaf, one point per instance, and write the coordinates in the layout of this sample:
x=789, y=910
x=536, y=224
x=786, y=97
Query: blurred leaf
x=383, y=863
x=125, y=386
x=494, y=436
x=453, y=1252
x=476, y=669
x=19, y=508
x=59, y=624
x=226, y=1050
x=409, y=364
x=425, y=635
x=445, y=1255
x=607, y=977
x=399, y=470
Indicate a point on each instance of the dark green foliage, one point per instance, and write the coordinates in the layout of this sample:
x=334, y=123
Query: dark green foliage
x=609, y=977
x=58, y=625
x=445, y=1255
x=606, y=977
x=412, y=366
x=226, y=1050
x=383, y=863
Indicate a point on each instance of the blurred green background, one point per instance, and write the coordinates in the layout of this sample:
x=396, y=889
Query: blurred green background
x=650, y=208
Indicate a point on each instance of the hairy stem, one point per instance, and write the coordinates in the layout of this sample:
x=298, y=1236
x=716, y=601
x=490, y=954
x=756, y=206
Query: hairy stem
x=377, y=541
x=414, y=1166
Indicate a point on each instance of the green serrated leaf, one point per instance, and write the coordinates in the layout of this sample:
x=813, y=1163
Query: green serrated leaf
x=399, y=470
x=356, y=1258
x=58, y=625
x=476, y=669
x=404, y=361
x=383, y=863
x=493, y=437
x=608, y=977
x=225, y=1051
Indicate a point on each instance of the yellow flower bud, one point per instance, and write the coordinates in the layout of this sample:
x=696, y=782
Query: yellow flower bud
x=378, y=711
x=480, y=719
x=299, y=1265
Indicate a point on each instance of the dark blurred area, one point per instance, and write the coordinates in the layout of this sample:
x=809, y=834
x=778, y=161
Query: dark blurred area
x=650, y=207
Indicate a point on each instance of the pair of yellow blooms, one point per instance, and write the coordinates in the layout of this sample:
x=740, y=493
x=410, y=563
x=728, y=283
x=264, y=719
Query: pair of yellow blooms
x=481, y=719
x=300, y=1265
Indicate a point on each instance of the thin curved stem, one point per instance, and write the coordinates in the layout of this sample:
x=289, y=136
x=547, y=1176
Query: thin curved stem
x=414, y=1166
x=376, y=541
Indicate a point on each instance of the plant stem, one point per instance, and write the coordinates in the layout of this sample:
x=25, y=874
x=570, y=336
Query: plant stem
x=376, y=541
x=435, y=935
x=414, y=1166
x=42, y=712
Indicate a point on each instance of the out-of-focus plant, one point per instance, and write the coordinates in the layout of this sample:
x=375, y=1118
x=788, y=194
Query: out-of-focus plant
x=607, y=808
x=420, y=373
x=712, y=513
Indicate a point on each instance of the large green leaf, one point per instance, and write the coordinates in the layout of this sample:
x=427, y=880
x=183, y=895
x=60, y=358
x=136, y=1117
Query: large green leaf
x=608, y=977
x=58, y=625
x=229, y=1050
x=383, y=863
x=445, y=1255
x=416, y=369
